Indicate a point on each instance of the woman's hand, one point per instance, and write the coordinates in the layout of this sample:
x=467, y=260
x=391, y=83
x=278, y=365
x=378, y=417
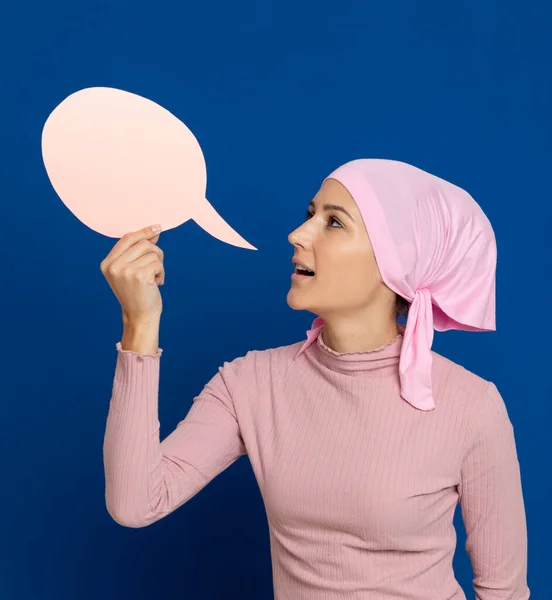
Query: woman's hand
x=134, y=270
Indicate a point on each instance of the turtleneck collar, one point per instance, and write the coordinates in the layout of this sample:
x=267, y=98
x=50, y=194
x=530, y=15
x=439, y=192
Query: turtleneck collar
x=369, y=363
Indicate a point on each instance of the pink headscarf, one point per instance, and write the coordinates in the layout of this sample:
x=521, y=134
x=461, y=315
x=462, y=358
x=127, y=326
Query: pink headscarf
x=435, y=247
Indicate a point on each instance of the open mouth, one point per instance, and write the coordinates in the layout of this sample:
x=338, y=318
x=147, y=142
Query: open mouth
x=302, y=271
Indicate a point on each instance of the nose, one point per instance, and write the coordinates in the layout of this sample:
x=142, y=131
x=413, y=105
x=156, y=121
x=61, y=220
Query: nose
x=297, y=238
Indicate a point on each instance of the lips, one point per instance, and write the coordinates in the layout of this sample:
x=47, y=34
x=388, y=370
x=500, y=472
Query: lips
x=301, y=268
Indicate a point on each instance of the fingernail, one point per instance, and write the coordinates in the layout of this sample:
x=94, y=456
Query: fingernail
x=156, y=228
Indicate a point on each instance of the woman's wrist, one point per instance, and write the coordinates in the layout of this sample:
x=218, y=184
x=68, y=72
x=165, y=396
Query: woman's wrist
x=141, y=335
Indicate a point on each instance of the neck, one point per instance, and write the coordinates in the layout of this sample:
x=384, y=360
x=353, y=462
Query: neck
x=345, y=335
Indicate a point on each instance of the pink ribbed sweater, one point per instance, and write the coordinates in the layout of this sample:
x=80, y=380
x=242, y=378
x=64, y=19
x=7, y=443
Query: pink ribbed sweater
x=359, y=486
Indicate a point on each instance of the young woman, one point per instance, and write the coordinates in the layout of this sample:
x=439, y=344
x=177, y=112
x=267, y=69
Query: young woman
x=362, y=439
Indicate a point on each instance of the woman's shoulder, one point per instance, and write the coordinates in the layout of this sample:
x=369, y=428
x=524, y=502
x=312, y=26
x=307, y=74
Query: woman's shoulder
x=443, y=365
x=267, y=359
x=250, y=374
x=451, y=380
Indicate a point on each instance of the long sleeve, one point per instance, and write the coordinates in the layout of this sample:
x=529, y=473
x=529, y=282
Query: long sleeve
x=147, y=479
x=492, y=503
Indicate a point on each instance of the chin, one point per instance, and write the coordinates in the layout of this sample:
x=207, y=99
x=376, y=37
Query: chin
x=295, y=301
x=298, y=301
x=292, y=301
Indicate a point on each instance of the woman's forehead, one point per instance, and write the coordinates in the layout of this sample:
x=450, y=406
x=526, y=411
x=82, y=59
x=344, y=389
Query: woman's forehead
x=334, y=191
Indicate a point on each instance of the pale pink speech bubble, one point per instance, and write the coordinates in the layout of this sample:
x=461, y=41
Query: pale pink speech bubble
x=121, y=162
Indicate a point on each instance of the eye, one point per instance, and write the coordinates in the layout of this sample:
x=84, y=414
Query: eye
x=332, y=221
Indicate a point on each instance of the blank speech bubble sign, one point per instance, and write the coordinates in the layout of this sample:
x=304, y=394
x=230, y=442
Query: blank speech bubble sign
x=121, y=162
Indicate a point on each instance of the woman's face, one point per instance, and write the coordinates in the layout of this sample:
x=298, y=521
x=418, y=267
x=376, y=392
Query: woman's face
x=334, y=244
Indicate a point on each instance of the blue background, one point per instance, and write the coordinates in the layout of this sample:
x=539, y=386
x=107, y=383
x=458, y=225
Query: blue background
x=278, y=94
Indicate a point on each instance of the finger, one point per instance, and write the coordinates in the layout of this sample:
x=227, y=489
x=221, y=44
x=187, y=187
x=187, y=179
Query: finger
x=138, y=250
x=136, y=257
x=129, y=239
x=153, y=271
x=144, y=261
x=146, y=270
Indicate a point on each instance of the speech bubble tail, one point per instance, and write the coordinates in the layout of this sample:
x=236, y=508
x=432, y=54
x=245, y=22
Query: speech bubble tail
x=211, y=222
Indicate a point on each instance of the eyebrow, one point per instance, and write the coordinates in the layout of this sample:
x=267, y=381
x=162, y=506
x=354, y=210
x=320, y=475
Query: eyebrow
x=332, y=207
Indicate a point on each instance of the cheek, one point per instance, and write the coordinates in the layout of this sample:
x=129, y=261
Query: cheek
x=350, y=272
